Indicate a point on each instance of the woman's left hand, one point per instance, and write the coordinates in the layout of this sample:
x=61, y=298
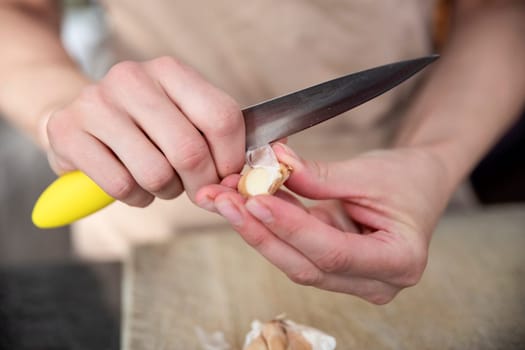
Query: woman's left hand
x=369, y=234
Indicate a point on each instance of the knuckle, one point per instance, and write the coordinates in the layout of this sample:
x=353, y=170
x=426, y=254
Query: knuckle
x=142, y=201
x=91, y=97
x=165, y=63
x=228, y=118
x=333, y=261
x=63, y=123
x=90, y=93
x=191, y=155
x=256, y=239
x=411, y=269
x=121, y=187
x=59, y=131
x=158, y=180
x=293, y=229
x=56, y=127
x=411, y=277
x=307, y=277
x=125, y=71
x=162, y=65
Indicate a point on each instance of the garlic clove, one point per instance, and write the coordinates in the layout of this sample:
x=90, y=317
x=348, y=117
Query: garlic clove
x=263, y=180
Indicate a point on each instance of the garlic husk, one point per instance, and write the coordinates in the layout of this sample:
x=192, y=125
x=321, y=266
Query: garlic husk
x=258, y=343
x=317, y=339
x=263, y=174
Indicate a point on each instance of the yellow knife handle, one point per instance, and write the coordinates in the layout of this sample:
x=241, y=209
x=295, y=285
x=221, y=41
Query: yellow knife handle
x=70, y=197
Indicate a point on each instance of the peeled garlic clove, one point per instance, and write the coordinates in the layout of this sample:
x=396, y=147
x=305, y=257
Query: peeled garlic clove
x=263, y=180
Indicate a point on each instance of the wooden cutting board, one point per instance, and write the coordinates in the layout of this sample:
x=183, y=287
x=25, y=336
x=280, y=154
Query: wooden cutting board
x=472, y=295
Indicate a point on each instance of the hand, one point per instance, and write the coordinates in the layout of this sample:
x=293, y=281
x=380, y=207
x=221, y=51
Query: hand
x=370, y=235
x=149, y=129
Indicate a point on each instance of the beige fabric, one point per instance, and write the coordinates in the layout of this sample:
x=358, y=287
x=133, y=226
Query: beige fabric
x=255, y=50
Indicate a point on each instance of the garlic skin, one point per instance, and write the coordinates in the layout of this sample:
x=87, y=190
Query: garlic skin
x=263, y=173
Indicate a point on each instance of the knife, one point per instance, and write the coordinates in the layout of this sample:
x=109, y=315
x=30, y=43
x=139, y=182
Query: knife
x=74, y=195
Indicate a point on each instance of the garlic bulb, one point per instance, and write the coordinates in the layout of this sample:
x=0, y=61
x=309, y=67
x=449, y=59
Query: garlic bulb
x=282, y=334
x=263, y=173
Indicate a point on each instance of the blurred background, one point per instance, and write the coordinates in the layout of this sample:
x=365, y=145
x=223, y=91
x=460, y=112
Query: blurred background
x=49, y=297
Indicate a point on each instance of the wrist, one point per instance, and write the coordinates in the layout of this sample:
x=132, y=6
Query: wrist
x=445, y=156
x=48, y=88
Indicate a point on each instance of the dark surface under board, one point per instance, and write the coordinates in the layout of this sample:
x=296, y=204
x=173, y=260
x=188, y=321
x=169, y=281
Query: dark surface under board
x=48, y=299
x=55, y=306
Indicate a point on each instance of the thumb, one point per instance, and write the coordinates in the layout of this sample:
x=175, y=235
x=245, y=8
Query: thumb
x=313, y=179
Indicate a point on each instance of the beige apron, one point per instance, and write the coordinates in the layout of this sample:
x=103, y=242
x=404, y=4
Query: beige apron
x=255, y=50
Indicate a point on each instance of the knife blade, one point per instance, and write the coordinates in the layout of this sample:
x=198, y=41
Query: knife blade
x=74, y=195
x=286, y=115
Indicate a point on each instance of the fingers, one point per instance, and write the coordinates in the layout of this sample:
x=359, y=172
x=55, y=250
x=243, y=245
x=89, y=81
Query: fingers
x=201, y=102
x=230, y=204
x=398, y=259
x=231, y=181
x=288, y=259
x=171, y=131
x=119, y=157
x=293, y=262
x=316, y=180
x=161, y=126
x=373, y=266
x=375, y=255
x=309, y=250
x=321, y=246
x=328, y=248
x=334, y=213
x=205, y=197
x=100, y=164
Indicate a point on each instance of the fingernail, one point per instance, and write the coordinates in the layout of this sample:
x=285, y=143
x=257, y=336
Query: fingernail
x=207, y=204
x=259, y=210
x=230, y=212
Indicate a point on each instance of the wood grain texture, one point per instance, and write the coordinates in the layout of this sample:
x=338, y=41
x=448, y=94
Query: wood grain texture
x=471, y=296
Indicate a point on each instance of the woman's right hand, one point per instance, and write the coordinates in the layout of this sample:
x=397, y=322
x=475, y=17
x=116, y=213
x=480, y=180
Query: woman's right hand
x=149, y=129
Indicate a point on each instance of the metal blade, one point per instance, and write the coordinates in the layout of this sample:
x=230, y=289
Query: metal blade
x=286, y=115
